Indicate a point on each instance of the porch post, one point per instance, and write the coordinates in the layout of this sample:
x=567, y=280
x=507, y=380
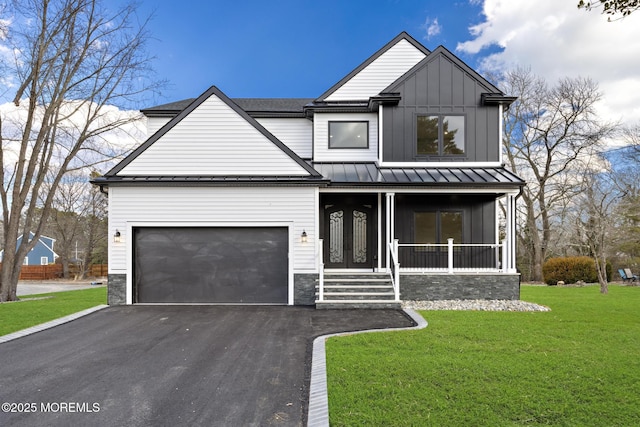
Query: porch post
x=390, y=228
x=510, y=261
x=450, y=255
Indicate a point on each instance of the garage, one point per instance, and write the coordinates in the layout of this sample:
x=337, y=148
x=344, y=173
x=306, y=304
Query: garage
x=235, y=265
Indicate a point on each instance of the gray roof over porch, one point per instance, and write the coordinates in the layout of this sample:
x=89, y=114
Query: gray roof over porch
x=371, y=174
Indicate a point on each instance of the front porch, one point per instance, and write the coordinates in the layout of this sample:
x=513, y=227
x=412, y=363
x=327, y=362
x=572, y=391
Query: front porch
x=399, y=241
x=438, y=272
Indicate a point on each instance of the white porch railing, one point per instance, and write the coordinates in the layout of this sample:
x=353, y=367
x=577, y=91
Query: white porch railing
x=451, y=258
x=394, y=270
x=320, y=262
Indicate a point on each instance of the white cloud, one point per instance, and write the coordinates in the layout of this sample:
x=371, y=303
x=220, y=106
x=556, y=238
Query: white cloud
x=431, y=27
x=115, y=141
x=556, y=39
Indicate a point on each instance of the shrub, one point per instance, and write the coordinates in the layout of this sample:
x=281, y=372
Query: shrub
x=571, y=270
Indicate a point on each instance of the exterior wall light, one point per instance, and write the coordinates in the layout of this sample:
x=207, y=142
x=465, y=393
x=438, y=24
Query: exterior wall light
x=303, y=236
x=117, y=237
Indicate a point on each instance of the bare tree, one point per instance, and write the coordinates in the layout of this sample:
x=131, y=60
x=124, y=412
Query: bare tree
x=596, y=205
x=73, y=61
x=78, y=223
x=548, y=131
x=95, y=229
x=614, y=8
x=627, y=178
x=68, y=212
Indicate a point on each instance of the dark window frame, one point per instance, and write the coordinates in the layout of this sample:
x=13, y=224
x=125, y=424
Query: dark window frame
x=440, y=152
x=440, y=239
x=329, y=123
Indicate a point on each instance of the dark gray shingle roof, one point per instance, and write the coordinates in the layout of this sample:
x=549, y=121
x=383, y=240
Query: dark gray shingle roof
x=256, y=107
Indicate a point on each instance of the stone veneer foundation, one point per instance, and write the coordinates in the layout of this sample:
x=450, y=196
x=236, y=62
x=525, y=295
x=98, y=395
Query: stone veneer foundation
x=428, y=287
x=433, y=287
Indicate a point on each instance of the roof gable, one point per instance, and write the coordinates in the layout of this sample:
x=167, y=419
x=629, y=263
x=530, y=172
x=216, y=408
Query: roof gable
x=43, y=241
x=213, y=136
x=379, y=71
x=442, y=52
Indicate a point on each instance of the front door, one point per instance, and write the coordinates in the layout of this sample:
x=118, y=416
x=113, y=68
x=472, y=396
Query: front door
x=348, y=233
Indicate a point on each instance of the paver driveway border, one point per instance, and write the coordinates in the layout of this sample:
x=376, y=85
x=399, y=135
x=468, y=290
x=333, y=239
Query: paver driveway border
x=318, y=415
x=43, y=326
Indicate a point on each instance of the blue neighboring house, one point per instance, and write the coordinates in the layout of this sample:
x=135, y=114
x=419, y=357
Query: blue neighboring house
x=41, y=254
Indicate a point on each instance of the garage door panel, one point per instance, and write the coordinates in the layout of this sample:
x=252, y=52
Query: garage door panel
x=211, y=265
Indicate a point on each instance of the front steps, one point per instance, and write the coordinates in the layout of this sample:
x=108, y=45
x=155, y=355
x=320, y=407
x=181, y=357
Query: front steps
x=357, y=290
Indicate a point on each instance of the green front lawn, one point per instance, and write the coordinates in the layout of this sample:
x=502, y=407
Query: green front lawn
x=15, y=316
x=578, y=365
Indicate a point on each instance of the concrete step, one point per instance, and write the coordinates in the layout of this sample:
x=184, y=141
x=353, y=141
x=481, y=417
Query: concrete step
x=355, y=280
x=349, y=286
x=357, y=290
x=359, y=304
x=365, y=292
x=360, y=293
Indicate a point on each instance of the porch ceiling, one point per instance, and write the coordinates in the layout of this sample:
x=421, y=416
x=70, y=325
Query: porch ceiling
x=372, y=174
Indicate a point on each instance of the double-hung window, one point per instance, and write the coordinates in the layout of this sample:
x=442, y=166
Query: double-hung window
x=440, y=135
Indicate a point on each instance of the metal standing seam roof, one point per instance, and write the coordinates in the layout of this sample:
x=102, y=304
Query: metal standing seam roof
x=372, y=174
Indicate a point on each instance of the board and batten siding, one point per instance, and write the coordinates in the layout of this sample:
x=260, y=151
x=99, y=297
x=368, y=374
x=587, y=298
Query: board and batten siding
x=208, y=206
x=440, y=87
x=322, y=152
x=295, y=133
x=379, y=74
x=213, y=140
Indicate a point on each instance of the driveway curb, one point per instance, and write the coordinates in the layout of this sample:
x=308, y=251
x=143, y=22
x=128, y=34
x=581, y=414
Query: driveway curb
x=50, y=324
x=318, y=414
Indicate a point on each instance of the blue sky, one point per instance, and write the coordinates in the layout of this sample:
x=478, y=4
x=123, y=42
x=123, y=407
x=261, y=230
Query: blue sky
x=284, y=48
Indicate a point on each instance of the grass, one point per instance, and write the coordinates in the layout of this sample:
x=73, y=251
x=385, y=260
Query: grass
x=578, y=365
x=15, y=316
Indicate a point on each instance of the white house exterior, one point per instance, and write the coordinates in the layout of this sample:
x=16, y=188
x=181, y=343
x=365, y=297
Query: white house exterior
x=386, y=187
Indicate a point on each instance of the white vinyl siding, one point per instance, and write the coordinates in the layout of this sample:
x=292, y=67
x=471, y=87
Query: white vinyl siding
x=208, y=206
x=294, y=133
x=213, y=140
x=155, y=123
x=321, y=139
x=383, y=71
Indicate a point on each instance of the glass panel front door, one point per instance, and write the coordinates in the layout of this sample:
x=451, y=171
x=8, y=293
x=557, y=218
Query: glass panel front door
x=359, y=235
x=348, y=235
x=336, y=237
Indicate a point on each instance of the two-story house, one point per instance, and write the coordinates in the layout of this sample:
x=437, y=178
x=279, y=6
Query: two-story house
x=386, y=187
x=41, y=254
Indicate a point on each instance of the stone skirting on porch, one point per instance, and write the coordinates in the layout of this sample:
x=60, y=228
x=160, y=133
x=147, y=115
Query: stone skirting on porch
x=431, y=286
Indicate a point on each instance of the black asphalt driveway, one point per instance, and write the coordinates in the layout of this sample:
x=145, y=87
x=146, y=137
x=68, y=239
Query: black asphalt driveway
x=172, y=366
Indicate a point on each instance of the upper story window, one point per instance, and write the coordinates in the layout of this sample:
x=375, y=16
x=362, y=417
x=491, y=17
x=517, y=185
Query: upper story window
x=440, y=135
x=349, y=134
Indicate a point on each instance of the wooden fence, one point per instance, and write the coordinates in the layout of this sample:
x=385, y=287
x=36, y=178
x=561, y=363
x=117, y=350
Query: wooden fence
x=54, y=271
